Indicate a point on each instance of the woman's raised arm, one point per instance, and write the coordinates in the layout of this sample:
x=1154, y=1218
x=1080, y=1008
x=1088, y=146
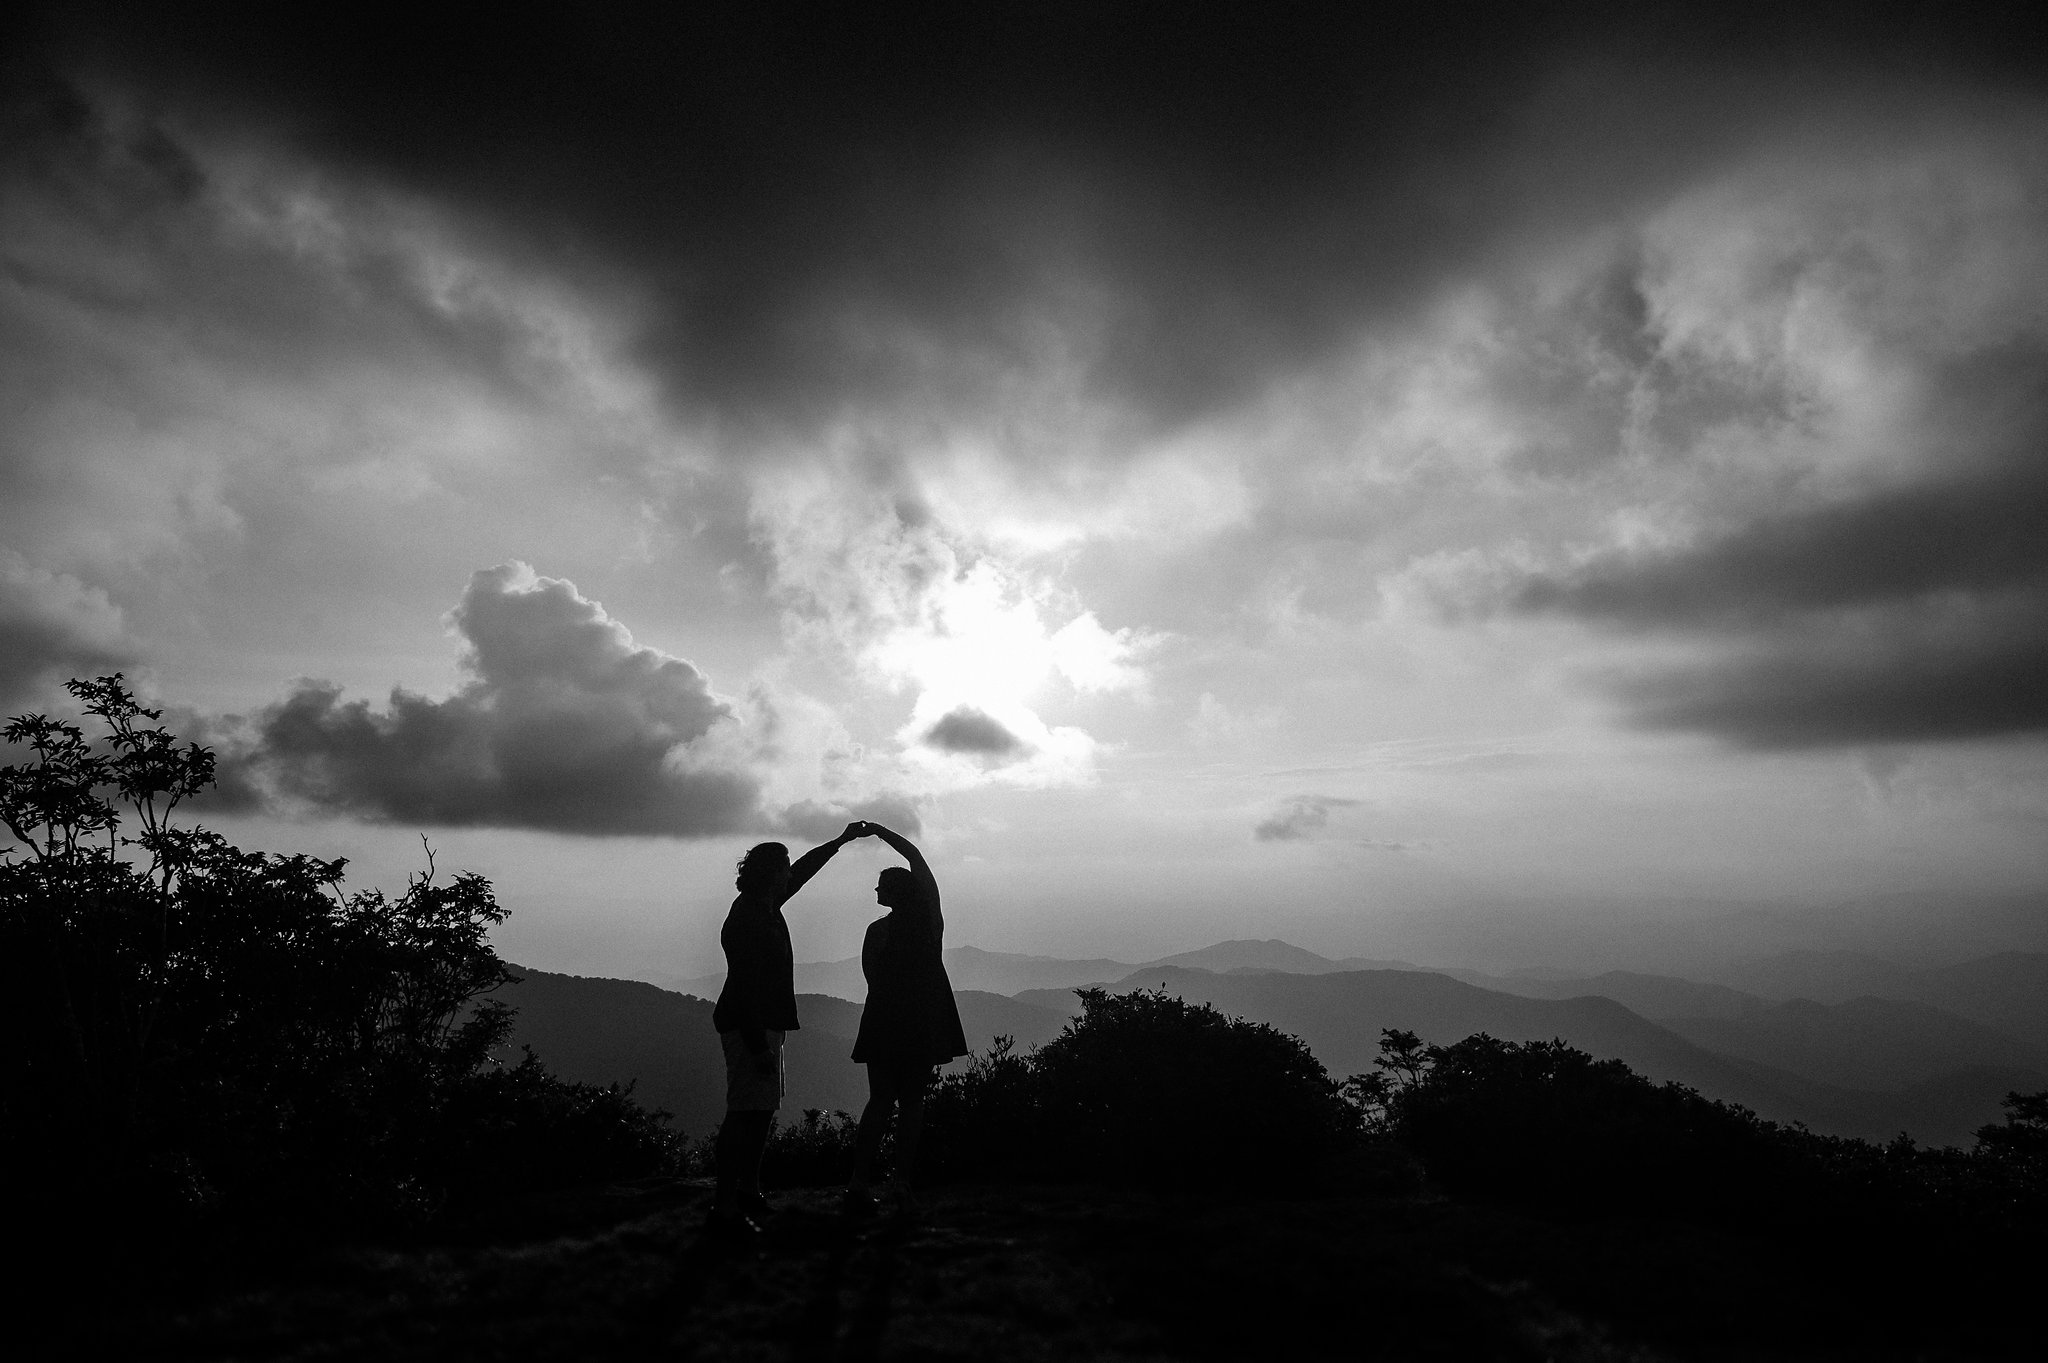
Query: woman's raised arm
x=926, y=881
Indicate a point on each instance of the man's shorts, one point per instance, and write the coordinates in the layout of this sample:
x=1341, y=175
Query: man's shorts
x=747, y=1088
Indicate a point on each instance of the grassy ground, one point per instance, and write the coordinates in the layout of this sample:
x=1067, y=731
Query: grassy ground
x=1062, y=1273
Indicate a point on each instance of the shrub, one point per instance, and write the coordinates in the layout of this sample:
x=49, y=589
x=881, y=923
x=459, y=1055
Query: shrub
x=521, y=1127
x=814, y=1152
x=1146, y=1087
x=1544, y=1125
x=986, y=1122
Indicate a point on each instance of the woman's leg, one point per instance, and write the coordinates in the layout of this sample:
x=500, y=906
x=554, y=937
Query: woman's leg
x=874, y=1124
x=907, y=1132
x=911, y=1127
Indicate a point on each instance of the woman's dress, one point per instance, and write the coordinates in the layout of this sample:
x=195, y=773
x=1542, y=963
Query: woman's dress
x=910, y=1018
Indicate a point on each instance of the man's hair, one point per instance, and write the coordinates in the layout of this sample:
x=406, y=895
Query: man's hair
x=759, y=866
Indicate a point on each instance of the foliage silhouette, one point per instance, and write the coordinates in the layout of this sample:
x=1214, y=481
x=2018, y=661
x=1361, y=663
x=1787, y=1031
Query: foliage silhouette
x=815, y=1151
x=1147, y=1087
x=1542, y=1125
x=199, y=1028
x=2022, y=1138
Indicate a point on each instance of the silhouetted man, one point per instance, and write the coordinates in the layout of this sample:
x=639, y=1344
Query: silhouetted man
x=755, y=1009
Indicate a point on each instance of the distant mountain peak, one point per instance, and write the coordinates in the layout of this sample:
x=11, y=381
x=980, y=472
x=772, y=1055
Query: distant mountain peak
x=1269, y=954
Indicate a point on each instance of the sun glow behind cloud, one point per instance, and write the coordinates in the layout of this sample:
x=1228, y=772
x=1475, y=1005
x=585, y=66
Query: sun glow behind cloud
x=980, y=644
x=969, y=629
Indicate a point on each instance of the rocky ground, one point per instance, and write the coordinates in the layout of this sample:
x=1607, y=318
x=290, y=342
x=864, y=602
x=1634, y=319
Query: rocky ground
x=1058, y=1273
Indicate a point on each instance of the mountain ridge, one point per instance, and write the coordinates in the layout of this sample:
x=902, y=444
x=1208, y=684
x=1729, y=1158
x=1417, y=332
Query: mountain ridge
x=607, y=1030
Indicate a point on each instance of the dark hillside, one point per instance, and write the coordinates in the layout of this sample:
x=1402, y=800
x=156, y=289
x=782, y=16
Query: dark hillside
x=621, y=1031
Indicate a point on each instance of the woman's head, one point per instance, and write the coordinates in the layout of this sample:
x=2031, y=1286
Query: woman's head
x=897, y=888
x=763, y=869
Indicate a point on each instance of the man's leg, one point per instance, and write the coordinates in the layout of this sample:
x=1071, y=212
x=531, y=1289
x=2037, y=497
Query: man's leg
x=752, y=1092
x=754, y=1145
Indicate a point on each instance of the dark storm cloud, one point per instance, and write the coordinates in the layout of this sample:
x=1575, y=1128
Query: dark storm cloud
x=967, y=730
x=1919, y=613
x=565, y=726
x=1302, y=816
x=1981, y=536
x=52, y=627
x=1981, y=673
x=880, y=203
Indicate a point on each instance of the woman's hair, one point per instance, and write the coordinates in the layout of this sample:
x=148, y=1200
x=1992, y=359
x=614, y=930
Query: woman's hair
x=903, y=880
x=759, y=865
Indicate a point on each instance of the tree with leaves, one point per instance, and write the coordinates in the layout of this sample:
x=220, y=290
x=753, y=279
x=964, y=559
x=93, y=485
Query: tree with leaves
x=191, y=1017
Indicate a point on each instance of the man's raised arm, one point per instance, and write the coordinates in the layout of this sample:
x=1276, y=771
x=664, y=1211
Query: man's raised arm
x=811, y=862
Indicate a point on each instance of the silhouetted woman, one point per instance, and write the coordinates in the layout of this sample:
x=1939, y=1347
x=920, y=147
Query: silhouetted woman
x=910, y=1024
x=755, y=1009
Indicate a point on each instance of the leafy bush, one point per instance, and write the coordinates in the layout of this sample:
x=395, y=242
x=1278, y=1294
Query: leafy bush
x=1544, y=1125
x=987, y=1121
x=519, y=1127
x=199, y=1027
x=815, y=1152
x=1143, y=1086
x=2021, y=1140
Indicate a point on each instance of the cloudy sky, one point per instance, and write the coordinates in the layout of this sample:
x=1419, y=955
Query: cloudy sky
x=1240, y=476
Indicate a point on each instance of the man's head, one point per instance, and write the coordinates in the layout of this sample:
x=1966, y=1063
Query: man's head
x=764, y=870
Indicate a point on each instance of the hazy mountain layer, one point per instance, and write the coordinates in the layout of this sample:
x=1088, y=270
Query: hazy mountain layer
x=616, y=1031
x=2008, y=990
x=1003, y=972
x=1869, y=1070
x=1654, y=996
x=1865, y=1043
x=971, y=968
